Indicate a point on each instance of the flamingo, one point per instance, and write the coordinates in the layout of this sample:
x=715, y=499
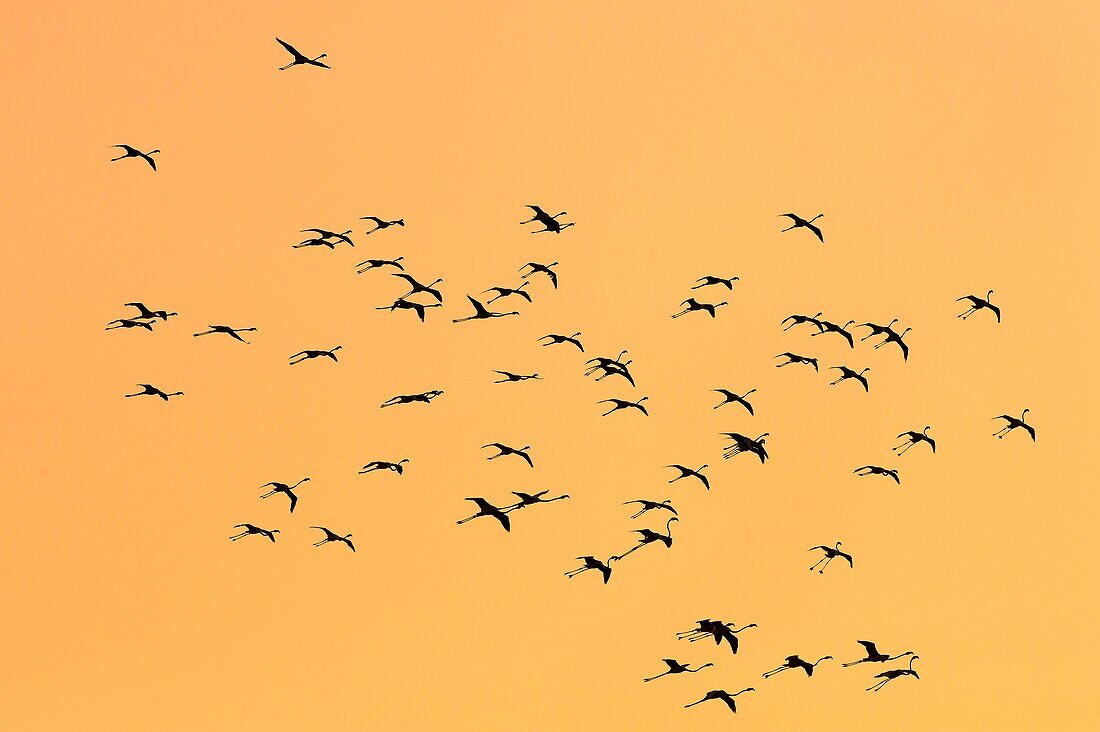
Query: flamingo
x=287, y=490
x=503, y=450
x=481, y=313
x=648, y=536
x=591, y=562
x=686, y=472
x=675, y=667
x=651, y=506
x=249, y=529
x=133, y=152
x=723, y=695
x=979, y=303
x=333, y=536
x=728, y=397
x=300, y=58
x=555, y=340
x=888, y=676
x=847, y=373
x=831, y=553
x=691, y=304
x=874, y=655
x=484, y=508
x=1013, y=423
x=380, y=224
x=624, y=404
x=913, y=438
x=808, y=223
x=150, y=390
x=796, y=662
x=876, y=470
x=537, y=268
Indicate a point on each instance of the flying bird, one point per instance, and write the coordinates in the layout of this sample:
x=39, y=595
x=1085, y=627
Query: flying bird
x=133, y=152
x=808, y=223
x=287, y=490
x=150, y=390
x=129, y=323
x=369, y=264
x=147, y=314
x=506, y=291
x=893, y=337
x=481, y=313
x=796, y=662
x=831, y=553
x=537, y=268
x=1013, y=423
x=484, y=508
x=795, y=358
x=912, y=438
x=530, y=499
x=402, y=304
x=648, y=536
x=686, y=472
x=231, y=332
x=691, y=305
x=888, y=676
x=979, y=303
x=250, y=529
x=300, y=58
x=708, y=280
x=741, y=444
x=509, y=376
x=722, y=695
x=876, y=470
x=874, y=655
x=550, y=223
x=425, y=397
x=800, y=319
x=418, y=287
x=728, y=397
x=300, y=356
x=503, y=450
x=847, y=373
x=333, y=536
x=675, y=667
x=652, y=506
x=398, y=467
x=326, y=234
x=824, y=326
x=591, y=562
x=876, y=329
x=380, y=224
x=624, y=404
x=555, y=339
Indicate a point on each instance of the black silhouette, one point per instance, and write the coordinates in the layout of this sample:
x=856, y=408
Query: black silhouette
x=425, y=397
x=651, y=506
x=133, y=152
x=530, y=499
x=418, y=287
x=550, y=222
x=1013, y=423
x=380, y=224
x=876, y=329
x=648, y=536
x=723, y=695
x=484, y=508
x=686, y=472
x=831, y=553
x=333, y=536
x=888, y=676
x=624, y=404
x=128, y=323
x=809, y=224
x=285, y=489
x=610, y=367
x=824, y=326
x=978, y=303
x=716, y=629
x=692, y=304
x=537, y=268
x=892, y=337
x=796, y=662
x=323, y=234
x=299, y=58
x=231, y=332
x=506, y=291
x=402, y=304
x=369, y=264
x=675, y=667
x=800, y=319
x=847, y=373
x=509, y=376
x=556, y=339
x=307, y=355
x=480, y=313
x=503, y=450
x=250, y=529
x=591, y=562
x=147, y=314
x=397, y=467
x=708, y=280
x=728, y=397
x=741, y=444
x=912, y=438
x=874, y=655
x=150, y=390
x=795, y=358
x=876, y=470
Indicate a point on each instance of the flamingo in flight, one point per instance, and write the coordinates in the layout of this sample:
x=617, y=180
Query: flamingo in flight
x=299, y=58
x=536, y=268
x=249, y=529
x=800, y=319
x=550, y=223
x=723, y=696
x=912, y=438
x=847, y=373
x=709, y=280
x=876, y=470
x=831, y=553
x=796, y=662
x=874, y=655
x=481, y=313
x=287, y=490
x=648, y=536
x=979, y=303
x=150, y=390
x=333, y=536
x=691, y=305
x=484, y=508
x=675, y=667
x=380, y=224
x=402, y=304
x=590, y=563
x=624, y=404
x=807, y=223
x=652, y=506
x=503, y=450
x=888, y=676
x=686, y=472
x=728, y=397
x=133, y=152
x=1013, y=423
x=795, y=358
x=555, y=340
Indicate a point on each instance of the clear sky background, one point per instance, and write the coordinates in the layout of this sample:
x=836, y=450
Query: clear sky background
x=952, y=148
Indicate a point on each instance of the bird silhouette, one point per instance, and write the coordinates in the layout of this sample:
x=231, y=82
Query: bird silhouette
x=536, y=268
x=591, y=562
x=481, y=313
x=624, y=404
x=795, y=358
x=373, y=465
x=742, y=443
x=876, y=329
x=728, y=397
x=686, y=472
x=876, y=470
x=824, y=326
x=555, y=339
x=418, y=287
x=888, y=676
x=708, y=280
x=675, y=667
x=147, y=314
x=129, y=323
x=503, y=450
x=231, y=332
x=333, y=536
x=847, y=373
x=652, y=506
x=530, y=499
x=691, y=304
x=808, y=223
x=549, y=222
x=722, y=695
x=893, y=337
x=380, y=224
x=979, y=303
x=648, y=536
x=287, y=490
x=301, y=356
x=133, y=152
x=716, y=629
x=150, y=390
x=402, y=304
x=425, y=397
x=300, y=58
x=250, y=529
x=831, y=553
x=611, y=367
x=506, y=291
x=323, y=234
x=800, y=319
x=1013, y=423
x=484, y=508
x=912, y=438
x=509, y=376
x=874, y=655
x=368, y=264
x=796, y=662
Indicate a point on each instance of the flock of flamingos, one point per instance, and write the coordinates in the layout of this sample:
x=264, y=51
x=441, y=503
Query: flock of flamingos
x=422, y=297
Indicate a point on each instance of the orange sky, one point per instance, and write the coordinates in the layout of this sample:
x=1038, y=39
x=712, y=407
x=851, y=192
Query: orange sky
x=951, y=147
